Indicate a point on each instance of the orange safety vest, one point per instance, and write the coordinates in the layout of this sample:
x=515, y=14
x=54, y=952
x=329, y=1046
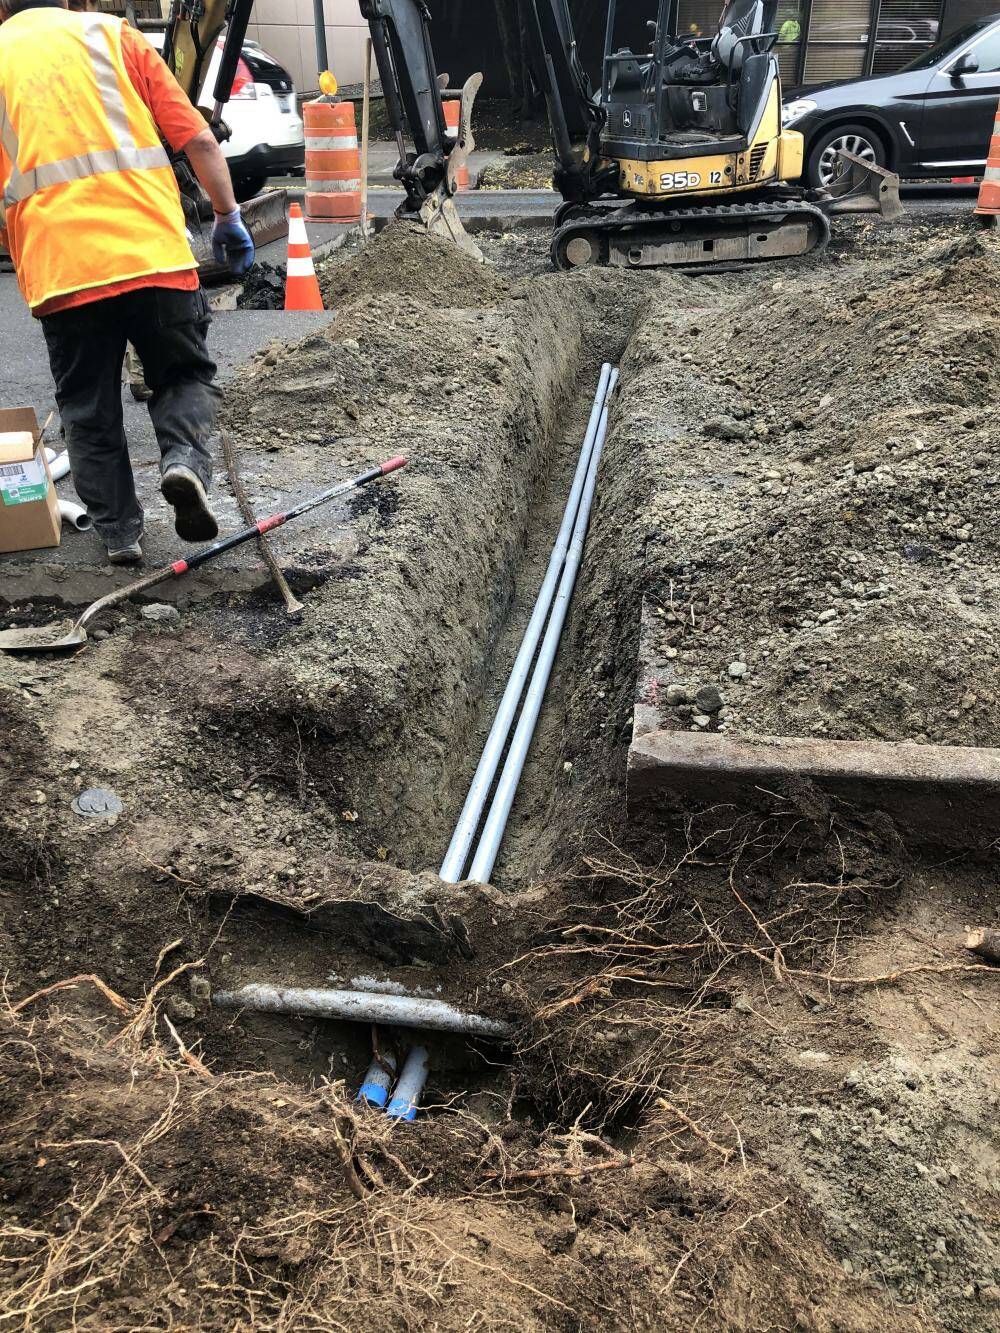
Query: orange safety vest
x=87, y=193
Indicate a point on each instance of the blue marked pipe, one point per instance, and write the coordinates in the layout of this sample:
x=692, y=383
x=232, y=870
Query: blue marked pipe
x=411, y=1084
x=375, y=1089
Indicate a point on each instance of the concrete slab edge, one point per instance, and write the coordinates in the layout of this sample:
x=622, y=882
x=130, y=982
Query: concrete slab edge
x=939, y=794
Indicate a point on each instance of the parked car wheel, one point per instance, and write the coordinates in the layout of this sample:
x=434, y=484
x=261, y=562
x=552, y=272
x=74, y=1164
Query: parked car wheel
x=856, y=139
x=245, y=187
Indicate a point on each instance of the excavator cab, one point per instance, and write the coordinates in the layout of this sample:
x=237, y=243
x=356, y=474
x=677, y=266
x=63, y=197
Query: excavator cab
x=711, y=95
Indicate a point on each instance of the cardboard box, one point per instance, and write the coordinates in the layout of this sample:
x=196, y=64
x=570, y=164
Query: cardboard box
x=29, y=506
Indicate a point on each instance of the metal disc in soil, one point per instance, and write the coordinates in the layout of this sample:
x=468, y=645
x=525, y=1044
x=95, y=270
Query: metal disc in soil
x=98, y=803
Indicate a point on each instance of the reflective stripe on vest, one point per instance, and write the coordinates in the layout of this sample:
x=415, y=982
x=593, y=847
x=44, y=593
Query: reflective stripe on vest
x=123, y=157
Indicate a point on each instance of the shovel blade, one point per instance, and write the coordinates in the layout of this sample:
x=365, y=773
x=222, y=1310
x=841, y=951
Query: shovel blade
x=42, y=638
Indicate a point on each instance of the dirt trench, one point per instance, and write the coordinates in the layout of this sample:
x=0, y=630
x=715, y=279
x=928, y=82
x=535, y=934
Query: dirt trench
x=751, y=1082
x=302, y=785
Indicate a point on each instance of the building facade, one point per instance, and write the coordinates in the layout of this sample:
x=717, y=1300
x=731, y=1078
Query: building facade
x=824, y=40
x=285, y=29
x=821, y=40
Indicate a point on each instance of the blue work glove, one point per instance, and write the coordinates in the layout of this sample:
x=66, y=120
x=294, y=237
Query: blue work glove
x=232, y=244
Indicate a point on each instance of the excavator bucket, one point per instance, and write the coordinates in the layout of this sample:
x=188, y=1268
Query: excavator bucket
x=863, y=187
x=438, y=213
x=266, y=216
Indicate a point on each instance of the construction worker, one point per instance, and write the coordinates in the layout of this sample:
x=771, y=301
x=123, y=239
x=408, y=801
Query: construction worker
x=91, y=214
x=791, y=26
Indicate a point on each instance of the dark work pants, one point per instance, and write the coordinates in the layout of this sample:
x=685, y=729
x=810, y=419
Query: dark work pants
x=86, y=351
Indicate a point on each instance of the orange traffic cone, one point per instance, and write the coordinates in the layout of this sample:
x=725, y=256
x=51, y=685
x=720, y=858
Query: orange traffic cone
x=988, y=207
x=301, y=288
x=452, y=115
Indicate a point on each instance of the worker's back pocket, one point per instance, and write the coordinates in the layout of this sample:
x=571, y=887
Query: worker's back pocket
x=174, y=308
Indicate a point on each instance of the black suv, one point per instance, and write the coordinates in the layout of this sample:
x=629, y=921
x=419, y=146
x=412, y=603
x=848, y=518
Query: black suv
x=933, y=118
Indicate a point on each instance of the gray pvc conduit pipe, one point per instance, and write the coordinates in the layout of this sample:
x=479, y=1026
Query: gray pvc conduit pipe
x=468, y=821
x=358, y=1006
x=75, y=515
x=496, y=820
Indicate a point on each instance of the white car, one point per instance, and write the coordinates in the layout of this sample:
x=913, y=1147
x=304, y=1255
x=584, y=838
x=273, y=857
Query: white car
x=267, y=137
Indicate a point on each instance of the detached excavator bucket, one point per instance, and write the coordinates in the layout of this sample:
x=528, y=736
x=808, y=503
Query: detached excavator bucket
x=438, y=213
x=862, y=187
x=266, y=216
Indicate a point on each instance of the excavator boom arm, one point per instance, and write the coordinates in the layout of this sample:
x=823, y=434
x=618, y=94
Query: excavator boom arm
x=193, y=29
x=576, y=119
x=400, y=32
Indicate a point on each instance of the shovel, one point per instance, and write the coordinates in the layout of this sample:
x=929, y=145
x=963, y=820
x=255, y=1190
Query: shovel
x=40, y=640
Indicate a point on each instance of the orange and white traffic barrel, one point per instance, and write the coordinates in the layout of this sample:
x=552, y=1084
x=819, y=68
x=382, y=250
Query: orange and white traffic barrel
x=988, y=206
x=452, y=116
x=333, y=166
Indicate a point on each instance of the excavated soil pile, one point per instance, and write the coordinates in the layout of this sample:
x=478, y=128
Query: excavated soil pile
x=827, y=535
x=405, y=259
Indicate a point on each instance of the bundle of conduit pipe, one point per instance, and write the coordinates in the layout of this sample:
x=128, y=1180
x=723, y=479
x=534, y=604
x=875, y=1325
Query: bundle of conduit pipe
x=525, y=691
x=374, y=1008
x=381, y=1076
x=545, y=626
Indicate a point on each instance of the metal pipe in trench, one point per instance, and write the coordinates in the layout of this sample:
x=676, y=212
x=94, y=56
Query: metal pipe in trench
x=465, y=830
x=496, y=820
x=355, y=1006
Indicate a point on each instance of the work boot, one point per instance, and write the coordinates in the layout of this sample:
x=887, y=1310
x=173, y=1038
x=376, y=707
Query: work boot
x=193, y=517
x=128, y=554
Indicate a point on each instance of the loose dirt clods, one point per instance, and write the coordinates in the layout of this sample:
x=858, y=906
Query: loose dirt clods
x=754, y=1082
x=828, y=516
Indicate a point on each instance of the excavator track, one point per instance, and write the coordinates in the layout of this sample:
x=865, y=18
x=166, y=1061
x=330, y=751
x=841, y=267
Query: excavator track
x=698, y=239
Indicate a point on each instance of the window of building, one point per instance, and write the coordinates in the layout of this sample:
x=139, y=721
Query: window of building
x=791, y=21
x=822, y=41
x=698, y=18
x=837, y=40
x=905, y=28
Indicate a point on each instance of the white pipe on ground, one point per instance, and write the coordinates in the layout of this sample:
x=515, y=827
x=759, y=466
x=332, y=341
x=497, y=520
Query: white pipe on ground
x=465, y=830
x=496, y=820
x=75, y=515
x=58, y=463
x=357, y=1006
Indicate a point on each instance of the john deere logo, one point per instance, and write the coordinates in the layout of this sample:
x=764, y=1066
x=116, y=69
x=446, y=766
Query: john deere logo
x=626, y=118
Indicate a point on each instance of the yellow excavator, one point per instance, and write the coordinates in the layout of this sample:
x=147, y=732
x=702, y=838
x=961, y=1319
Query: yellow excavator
x=679, y=158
